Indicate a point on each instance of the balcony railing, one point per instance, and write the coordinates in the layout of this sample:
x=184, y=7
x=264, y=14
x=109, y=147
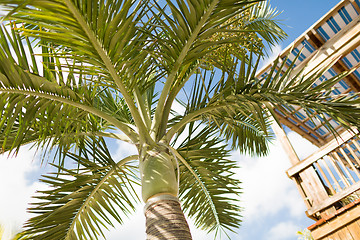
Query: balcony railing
x=330, y=178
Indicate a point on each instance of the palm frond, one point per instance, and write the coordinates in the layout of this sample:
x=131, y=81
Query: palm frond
x=283, y=92
x=208, y=188
x=264, y=23
x=242, y=94
x=240, y=120
x=105, y=35
x=32, y=106
x=185, y=37
x=82, y=202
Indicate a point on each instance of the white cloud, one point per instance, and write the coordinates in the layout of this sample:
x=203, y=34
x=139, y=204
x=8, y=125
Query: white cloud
x=133, y=227
x=178, y=108
x=15, y=189
x=302, y=147
x=283, y=231
x=266, y=188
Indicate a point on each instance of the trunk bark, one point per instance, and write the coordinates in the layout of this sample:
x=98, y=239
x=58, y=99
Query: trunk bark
x=165, y=220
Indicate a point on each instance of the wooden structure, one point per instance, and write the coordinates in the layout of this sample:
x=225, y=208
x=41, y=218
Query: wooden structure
x=329, y=179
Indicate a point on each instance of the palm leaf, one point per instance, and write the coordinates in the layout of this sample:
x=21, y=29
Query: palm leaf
x=242, y=94
x=242, y=122
x=104, y=35
x=32, y=105
x=208, y=189
x=285, y=91
x=82, y=202
x=198, y=21
x=265, y=24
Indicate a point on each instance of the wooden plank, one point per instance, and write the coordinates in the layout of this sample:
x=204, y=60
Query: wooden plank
x=333, y=199
x=352, y=152
x=314, y=39
x=290, y=115
x=354, y=229
x=353, y=2
x=345, y=233
x=302, y=192
x=326, y=54
x=335, y=236
x=332, y=50
x=351, y=79
x=313, y=187
x=344, y=137
x=317, y=142
x=314, y=26
x=337, y=223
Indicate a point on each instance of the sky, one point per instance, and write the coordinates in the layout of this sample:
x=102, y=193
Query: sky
x=273, y=208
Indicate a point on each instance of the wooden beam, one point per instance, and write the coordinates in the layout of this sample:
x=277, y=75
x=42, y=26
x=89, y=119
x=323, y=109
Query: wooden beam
x=313, y=187
x=350, y=79
x=284, y=140
x=353, y=2
x=315, y=39
x=316, y=142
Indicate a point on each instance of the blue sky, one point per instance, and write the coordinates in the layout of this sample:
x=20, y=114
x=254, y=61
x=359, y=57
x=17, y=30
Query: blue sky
x=273, y=209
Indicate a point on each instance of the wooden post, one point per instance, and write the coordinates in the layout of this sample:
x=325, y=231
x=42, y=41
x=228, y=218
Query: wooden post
x=281, y=136
x=313, y=189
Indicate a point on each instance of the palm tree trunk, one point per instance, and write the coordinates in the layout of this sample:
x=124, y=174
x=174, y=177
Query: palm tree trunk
x=165, y=219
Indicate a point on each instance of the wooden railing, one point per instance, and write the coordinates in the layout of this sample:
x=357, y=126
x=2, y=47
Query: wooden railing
x=330, y=178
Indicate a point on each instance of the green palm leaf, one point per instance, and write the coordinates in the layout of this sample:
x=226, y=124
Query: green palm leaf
x=242, y=94
x=265, y=24
x=83, y=201
x=283, y=92
x=114, y=53
x=243, y=122
x=32, y=105
x=199, y=21
x=208, y=189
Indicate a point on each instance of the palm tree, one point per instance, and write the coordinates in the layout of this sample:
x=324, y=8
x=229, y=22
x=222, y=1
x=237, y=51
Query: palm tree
x=74, y=73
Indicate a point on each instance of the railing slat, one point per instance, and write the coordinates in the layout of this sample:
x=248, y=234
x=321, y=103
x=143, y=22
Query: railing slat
x=325, y=178
x=337, y=175
x=343, y=165
x=332, y=176
x=302, y=192
x=350, y=162
x=353, y=153
x=339, y=171
x=333, y=199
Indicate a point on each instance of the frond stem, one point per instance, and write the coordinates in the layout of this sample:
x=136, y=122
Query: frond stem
x=140, y=101
x=169, y=102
